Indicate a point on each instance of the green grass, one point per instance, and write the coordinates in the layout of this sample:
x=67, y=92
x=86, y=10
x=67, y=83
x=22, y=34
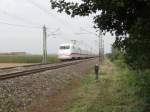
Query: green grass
x=26, y=58
x=112, y=93
x=83, y=95
x=138, y=82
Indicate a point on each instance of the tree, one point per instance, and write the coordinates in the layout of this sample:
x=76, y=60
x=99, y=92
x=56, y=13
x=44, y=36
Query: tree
x=129, y=20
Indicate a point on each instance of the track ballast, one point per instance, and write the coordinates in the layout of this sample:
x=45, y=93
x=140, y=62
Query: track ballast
x=13, y=72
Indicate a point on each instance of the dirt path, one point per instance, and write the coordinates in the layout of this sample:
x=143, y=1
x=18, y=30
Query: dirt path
x=4, y=65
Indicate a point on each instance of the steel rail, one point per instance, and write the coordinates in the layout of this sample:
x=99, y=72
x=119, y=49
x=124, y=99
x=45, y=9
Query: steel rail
x=32, y=65
x=38, y=70
x=7, y=68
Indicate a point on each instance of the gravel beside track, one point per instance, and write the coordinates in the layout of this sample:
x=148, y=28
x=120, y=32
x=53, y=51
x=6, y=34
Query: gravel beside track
x=18, y=93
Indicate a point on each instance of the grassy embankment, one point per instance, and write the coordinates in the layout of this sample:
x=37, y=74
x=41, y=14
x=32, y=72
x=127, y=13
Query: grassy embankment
x=116, y=91
x=26, y=58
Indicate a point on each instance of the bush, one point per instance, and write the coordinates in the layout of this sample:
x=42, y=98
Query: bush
x=116, y=54
x=139, y=83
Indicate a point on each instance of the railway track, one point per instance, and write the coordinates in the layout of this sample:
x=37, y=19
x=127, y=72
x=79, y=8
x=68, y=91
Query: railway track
x=13, y=72
x=8, y=68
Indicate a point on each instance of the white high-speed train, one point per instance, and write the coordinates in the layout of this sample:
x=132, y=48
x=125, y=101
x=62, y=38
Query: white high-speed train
x=73, y=51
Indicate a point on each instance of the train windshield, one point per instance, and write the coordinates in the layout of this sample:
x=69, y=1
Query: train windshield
x=64, y=47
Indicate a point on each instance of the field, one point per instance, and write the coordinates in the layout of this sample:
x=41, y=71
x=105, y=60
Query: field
x=26, y=58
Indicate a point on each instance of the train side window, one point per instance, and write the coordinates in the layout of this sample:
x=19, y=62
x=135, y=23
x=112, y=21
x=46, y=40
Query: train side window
x=64, y=47
x=67, y=47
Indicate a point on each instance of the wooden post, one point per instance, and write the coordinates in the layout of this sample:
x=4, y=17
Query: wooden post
x=96, y=71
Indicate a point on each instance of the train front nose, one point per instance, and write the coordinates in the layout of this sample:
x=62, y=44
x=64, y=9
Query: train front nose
x=64, y=54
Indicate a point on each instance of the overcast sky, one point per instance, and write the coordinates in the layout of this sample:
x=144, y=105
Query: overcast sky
x=26, y=18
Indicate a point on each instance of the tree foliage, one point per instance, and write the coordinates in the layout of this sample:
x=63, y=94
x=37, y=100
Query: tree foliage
x=116, y=55
x=129, y=20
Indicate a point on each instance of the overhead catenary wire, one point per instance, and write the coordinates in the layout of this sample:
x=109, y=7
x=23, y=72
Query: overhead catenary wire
x=18, y=25
x=58, y=32
x=20, y=19
x=30, y=22
x=55, y=31
x=48, y=13
x=86, y=32
x=45, y=11
x=26, y=21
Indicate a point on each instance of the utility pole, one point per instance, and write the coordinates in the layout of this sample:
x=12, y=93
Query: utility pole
x=44, y=44
x=103, y=50
x=100, y=44
x=101, y=47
